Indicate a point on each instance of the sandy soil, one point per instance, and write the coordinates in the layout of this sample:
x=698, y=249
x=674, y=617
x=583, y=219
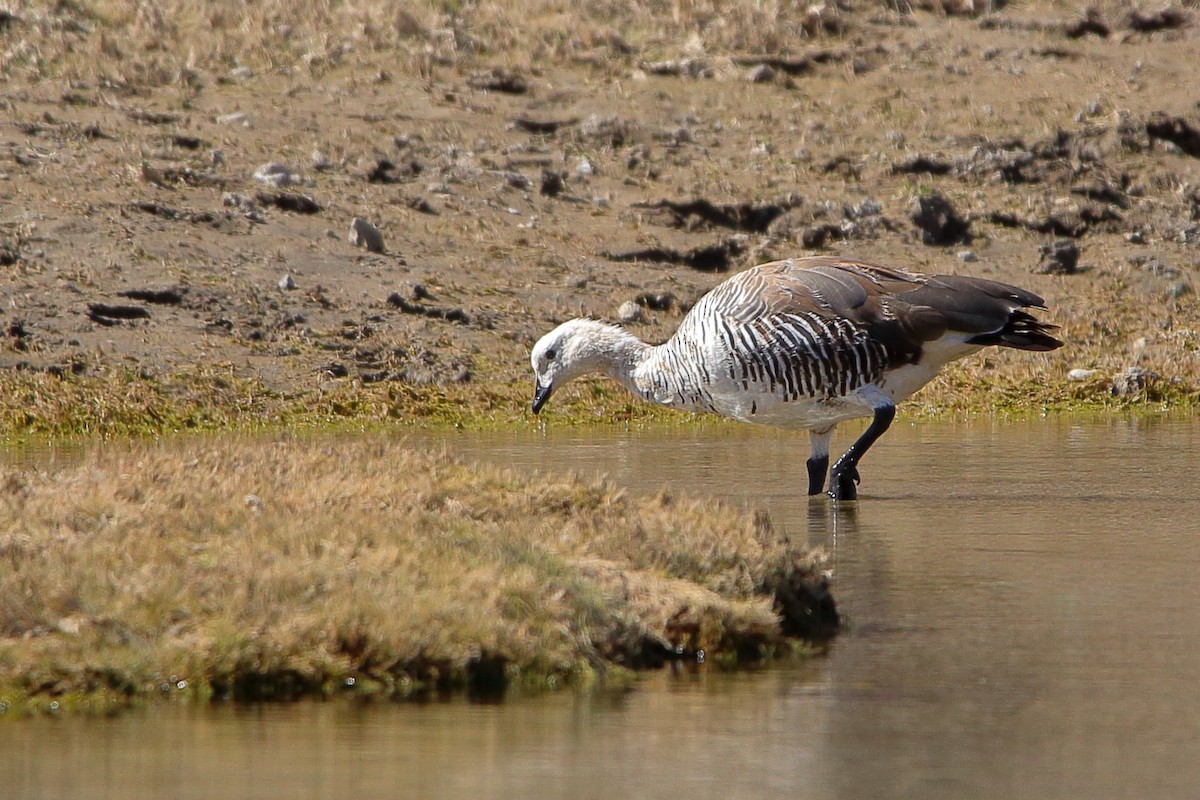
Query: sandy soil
x=516, y=189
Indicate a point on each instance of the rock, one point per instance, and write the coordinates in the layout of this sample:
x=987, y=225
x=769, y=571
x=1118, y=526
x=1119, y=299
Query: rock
x=938, y=222
x=1080, y=374
x=1158, y=268
x=335, y=369
x=631, y=312
x=763, y=73
x=498, y=79
x=583, y=170
x=553, y=183
x=1060, y=257
x=286, y=283
x=320, y=161
x=364, y=234
x=288, y=201
x=236, y=118
x=967, y=256
x=611, y=130
x=245, y=206
x=277, y=175
x=1132, y=382
x=656, y=301
x=1178, y=289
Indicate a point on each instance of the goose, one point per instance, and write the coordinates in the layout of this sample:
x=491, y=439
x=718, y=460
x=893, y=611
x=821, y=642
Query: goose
x=803, y=343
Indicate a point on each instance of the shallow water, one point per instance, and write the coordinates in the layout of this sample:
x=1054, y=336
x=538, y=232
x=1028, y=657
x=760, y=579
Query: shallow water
x=1023, y=620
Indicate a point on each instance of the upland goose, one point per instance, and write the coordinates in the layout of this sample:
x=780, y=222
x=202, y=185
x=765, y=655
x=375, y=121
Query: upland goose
x=803, y=343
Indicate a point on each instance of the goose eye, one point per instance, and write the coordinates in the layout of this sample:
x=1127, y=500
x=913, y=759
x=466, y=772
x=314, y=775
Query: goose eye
x=551, y=354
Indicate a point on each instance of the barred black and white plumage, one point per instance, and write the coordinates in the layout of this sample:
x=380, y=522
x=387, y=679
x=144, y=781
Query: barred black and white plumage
x=804, y=343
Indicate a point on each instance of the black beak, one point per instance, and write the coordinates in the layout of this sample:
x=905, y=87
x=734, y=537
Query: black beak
x=540, y=395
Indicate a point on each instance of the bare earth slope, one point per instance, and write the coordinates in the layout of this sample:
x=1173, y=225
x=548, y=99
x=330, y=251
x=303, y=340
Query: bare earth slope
x=525, y=164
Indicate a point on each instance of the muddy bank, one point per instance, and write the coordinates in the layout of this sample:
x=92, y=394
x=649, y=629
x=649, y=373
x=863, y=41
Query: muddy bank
x=357, y=200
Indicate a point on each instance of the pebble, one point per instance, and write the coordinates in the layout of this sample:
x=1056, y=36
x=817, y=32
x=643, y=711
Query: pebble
x=236, y=118
x=763, y=73
x=286, y=283
x=1080, y=374
x=583, y=169
x=967, y=256
x=245, y=206
x=364, y=234
x=1060, y=257
x=276, y=174
x=1132, y=381
x=1178, y=289
x=938, y=222
x=320, y=161
x=631, y=312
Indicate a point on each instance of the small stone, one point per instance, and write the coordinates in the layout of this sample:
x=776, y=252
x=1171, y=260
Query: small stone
x=286, y=283
x=241, y=73
x=364, y=234
x=967, y=256
x=611, y=129
x=583, y=170
x=656, y=301
x=1080, y=374
x=938, y=222
x=552, y=183
x=320, y=161
x=1135, y=237
x=236, y=118
x=1060, y=257
x=1178, y=289
x=1158, y=268
x=763, y=73
x=1132, y=382
x=276, y=174
x=631, y=312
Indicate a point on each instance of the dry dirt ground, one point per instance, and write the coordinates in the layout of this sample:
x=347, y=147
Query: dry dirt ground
x=527, y=164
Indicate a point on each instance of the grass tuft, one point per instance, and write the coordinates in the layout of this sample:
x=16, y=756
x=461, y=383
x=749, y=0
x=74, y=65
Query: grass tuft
x=276, y=570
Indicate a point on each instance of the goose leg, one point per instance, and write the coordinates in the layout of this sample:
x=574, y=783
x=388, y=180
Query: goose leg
x=818, y=462
x=844, y=475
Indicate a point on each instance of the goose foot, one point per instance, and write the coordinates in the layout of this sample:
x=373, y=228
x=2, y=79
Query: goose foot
x=816, y=474
x=843, y=482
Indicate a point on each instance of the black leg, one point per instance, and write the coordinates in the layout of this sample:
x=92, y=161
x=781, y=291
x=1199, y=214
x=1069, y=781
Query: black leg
x=844, y=475
x=816, y=473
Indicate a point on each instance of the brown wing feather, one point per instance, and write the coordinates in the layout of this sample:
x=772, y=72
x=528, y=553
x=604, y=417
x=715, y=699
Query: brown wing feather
x=868, y=295
x=901, y=310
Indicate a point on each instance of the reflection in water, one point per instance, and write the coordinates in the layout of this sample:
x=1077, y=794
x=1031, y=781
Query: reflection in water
x=1022, y=605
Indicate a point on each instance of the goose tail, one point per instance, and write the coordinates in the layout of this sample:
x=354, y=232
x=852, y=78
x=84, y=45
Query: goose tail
x=1023, y=331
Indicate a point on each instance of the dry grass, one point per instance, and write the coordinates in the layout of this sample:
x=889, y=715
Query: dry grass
x=154, y=44
x=281, y=569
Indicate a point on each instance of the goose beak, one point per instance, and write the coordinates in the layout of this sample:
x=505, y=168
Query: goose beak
x=540, y=395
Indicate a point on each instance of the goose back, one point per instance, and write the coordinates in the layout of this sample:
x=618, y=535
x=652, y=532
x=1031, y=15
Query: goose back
x=810, y=342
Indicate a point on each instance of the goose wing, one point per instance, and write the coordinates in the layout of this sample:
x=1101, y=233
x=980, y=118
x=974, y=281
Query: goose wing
x=848, y=304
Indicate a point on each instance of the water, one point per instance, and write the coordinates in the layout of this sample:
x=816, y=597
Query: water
x=1023, y=610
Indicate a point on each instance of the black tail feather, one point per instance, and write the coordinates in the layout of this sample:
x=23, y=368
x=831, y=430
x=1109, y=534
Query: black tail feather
x=1022, y=331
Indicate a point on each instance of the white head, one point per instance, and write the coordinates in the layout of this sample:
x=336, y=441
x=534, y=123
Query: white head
x=575, y=348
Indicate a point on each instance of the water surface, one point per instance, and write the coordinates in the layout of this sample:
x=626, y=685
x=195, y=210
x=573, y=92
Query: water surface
x=1023, y=620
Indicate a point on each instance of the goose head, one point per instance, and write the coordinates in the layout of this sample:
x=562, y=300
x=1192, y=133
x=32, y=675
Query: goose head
x=575, y=348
